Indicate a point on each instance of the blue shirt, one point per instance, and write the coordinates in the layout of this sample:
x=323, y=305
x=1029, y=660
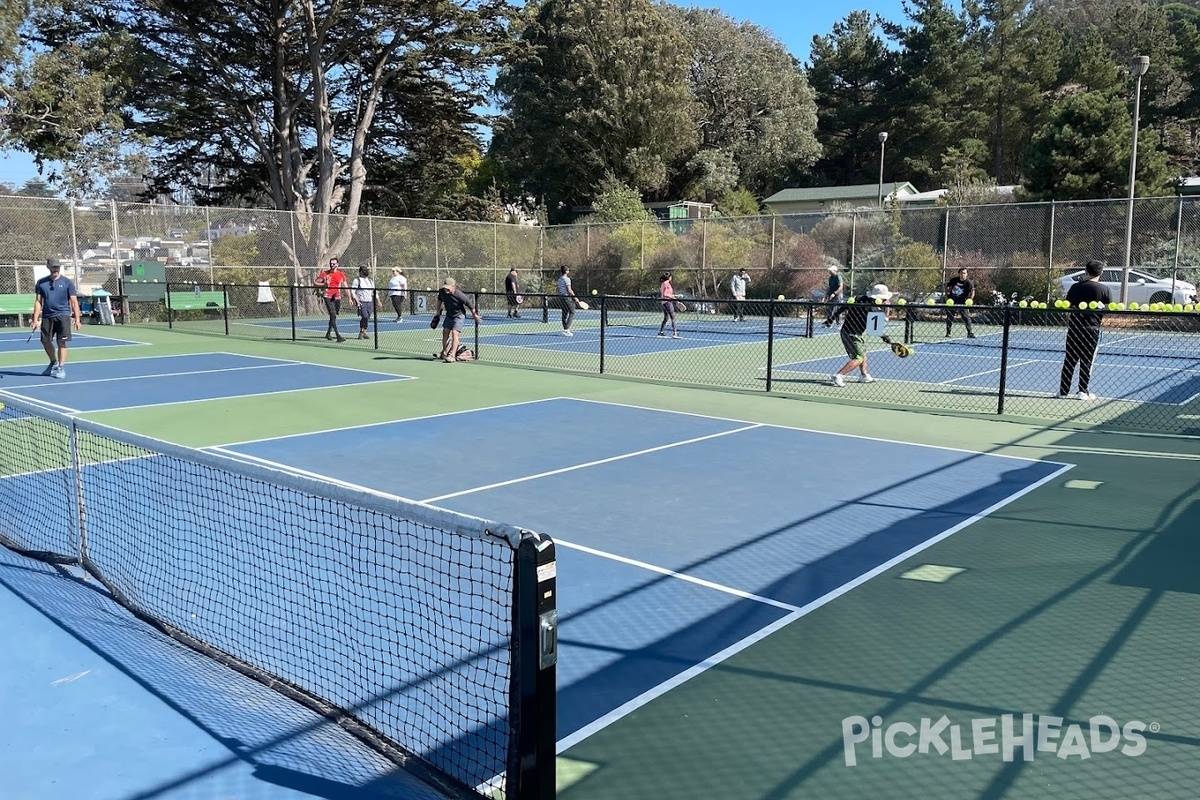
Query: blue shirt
x=56, y=296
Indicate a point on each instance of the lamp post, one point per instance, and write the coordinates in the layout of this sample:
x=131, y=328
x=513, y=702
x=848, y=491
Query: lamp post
x=882, y=146
x=1139, y=67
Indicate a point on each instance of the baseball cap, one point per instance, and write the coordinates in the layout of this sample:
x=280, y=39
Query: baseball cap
x=53, y=263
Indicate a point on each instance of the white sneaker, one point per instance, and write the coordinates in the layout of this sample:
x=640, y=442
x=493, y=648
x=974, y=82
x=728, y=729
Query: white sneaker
x=676, y=336
x=1086, y=396
x=866, y=379
x=58, y=372
x=568, y=333
x=838, y=380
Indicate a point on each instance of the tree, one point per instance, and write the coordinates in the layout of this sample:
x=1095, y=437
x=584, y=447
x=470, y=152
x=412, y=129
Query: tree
x=754, y=109
x=936, y=67
x=283, y=101
x=595, y=89
x=59, y=102
x=617, y=203
x=852, y=73
x=1019, y=59
x=1082, y=152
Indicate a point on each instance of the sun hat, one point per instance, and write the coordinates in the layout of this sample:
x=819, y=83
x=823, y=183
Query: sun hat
x=879, y=292
x=833, y=268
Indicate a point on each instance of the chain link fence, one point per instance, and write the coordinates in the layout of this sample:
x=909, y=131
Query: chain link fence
x=998, y=360
x=250, y=272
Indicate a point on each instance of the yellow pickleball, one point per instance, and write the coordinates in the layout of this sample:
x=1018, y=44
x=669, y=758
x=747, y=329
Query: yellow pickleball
x=949, y=302
x=968, y=302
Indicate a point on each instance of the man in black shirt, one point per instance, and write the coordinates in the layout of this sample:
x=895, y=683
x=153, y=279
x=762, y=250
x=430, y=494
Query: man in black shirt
x=854, y=330
x=512, y=289
x=960, y=290
x=1083, y=330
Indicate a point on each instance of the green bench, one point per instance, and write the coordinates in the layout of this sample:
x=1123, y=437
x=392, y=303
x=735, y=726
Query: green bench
x=196, y=301
x=13, y=304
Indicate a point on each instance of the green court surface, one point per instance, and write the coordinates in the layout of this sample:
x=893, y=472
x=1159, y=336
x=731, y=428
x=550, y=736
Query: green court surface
x=1079, y=600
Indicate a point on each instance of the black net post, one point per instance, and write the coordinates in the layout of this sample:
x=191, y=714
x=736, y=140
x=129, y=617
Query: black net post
x=225, y=306
x=809, y=331
x=376, y=307
x=531, y=758
x=170, y=311
x=292, y=308
x=545, y=308
x=603, y=326
x=908, y=326
x=1004, y=340
x=770, y=340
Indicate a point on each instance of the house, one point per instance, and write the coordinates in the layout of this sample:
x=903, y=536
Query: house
x=827, y=198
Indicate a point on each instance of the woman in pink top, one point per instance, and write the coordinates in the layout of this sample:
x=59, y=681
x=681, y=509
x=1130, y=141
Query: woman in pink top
x=668, y=303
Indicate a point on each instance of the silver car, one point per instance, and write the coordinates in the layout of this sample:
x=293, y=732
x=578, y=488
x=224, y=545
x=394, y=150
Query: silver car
x=1143, y=286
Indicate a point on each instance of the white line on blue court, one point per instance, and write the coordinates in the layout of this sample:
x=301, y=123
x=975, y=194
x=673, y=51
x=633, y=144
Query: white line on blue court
x=616, y=714
x=164, y=375
x=813, y=430
x=392, y=379
x=386, y=422
x=574, y=467
x=986, y=372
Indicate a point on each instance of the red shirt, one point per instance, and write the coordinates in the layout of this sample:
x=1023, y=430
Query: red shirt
x=334, y=280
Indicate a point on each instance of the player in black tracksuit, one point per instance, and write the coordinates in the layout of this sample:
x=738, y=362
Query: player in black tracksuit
x=1083, y=331
x=854, y=332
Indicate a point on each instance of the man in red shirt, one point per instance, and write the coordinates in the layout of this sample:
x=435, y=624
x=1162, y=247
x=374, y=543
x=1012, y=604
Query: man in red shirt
x=334, y=282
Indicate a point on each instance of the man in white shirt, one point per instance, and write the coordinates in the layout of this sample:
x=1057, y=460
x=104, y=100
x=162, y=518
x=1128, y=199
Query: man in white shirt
x=737, y=285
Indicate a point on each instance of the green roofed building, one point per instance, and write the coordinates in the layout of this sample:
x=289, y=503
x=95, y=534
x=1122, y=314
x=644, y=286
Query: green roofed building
x=827, y=198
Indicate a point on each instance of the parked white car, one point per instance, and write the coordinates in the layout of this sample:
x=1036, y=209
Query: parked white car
x=1143, y=286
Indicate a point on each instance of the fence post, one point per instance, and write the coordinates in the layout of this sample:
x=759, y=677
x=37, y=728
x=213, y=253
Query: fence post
x=772, y=261
x=437, y=261
x=75, y=247
x=116, y=237
x=853, y=249
x=1050, y=254
x=770, y=341
x=1178, y=234
x=946, y=246
x=371, y=241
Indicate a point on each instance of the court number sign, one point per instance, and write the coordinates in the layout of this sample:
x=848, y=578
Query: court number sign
x=420, y=302
x=877, y=323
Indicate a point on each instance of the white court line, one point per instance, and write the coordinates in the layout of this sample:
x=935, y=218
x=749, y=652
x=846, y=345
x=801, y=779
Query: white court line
x=863, y=437
x=387, y=422
x=160, y=375
x=670, y=573
x=625, y=709
x=952, y=381
x=394, y=379
x=574, y=467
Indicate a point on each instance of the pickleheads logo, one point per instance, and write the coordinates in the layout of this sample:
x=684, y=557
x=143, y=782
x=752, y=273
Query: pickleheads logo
x=1033, y=735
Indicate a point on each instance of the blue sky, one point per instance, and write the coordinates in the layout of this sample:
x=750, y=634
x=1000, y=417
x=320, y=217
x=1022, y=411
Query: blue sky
x=794, y=23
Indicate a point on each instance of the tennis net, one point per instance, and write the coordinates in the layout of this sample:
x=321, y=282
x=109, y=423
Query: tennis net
x=1133, y=335
x=423, y=632
x=755, y=318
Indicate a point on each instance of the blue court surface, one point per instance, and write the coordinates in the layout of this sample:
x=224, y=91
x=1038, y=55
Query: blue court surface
x=19, y=341
x=682, y=538
x=1141, y=378
x=159, y=720
x=666, y=567
x=138, y=382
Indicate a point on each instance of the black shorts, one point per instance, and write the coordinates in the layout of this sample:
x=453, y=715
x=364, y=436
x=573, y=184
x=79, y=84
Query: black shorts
x=57, y=327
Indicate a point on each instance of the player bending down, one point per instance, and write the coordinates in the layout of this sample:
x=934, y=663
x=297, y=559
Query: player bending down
x=854, y=332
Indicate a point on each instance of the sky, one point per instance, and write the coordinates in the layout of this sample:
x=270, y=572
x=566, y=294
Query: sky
x=794, y=23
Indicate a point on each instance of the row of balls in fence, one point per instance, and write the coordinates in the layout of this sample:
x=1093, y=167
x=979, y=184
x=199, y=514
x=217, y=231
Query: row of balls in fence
x=1094, y=305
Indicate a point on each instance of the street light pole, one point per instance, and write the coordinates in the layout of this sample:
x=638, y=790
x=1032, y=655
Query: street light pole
x=1139, y=67
x=882, y=145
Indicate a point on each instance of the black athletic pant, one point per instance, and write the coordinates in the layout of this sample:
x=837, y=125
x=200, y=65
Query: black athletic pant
x=966, y=316
x=333, y=305
x=1081, y=348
